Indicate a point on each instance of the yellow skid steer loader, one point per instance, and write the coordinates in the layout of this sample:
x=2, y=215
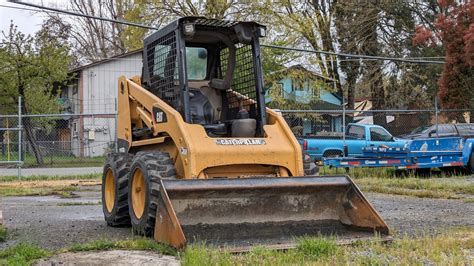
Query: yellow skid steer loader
x=202, y=159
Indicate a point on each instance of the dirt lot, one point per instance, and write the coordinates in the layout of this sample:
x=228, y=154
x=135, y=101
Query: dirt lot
x=53, y=222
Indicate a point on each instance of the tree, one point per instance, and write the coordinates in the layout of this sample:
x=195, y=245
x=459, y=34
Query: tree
x=30, y=67
x=92, y=39
x=453, y=29
x=158, y=13
x=304, y=24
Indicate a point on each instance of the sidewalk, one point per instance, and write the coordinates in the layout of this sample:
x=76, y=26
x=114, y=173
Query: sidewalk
x=51, y=171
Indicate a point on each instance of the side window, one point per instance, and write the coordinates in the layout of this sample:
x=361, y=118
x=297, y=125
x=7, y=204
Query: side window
x=196, y=63
x=446, y=129
x=165, y=58
x=356, y=132
x=379, y=134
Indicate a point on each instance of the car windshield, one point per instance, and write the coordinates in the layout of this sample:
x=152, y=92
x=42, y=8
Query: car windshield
x=422, y=129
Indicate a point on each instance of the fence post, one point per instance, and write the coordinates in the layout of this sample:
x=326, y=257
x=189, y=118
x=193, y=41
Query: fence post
x=20, y=131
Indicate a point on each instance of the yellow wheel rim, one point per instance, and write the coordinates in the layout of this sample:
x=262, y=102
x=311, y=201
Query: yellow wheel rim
x=109, y=190
x=138, y=193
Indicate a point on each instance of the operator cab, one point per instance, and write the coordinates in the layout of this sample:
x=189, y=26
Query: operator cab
x=209, y=71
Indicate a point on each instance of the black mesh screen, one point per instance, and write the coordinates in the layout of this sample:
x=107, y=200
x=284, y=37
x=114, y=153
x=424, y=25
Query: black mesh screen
x=243, y=83
x=215, y=22
x=162, y=66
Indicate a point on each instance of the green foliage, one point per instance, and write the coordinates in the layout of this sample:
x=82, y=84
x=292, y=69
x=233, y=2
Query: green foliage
x=317, y=247
x=22, y=254
x=34, y=68
x=3, y=233
x=450, y=247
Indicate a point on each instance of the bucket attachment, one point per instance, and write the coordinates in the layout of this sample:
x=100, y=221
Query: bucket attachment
x=265, y=211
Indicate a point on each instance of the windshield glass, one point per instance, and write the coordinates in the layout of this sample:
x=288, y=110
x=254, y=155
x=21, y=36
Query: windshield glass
x=379, y=134
x=419, y=130
x=196, y=64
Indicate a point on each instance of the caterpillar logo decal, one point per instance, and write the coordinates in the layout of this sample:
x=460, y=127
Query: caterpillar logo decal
x=158, y=115
x=240, y=142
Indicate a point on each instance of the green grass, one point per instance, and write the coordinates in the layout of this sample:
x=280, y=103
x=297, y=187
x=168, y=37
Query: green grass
x=129, y=244
x=471, y=200
x=57, y=160
x=387, y=172
x=389, y=181
x=22, y=254
x=64, y=192
x=448, y=188
x=449, y=248
x=79, y=203
x=3, y=233
x=49, y=177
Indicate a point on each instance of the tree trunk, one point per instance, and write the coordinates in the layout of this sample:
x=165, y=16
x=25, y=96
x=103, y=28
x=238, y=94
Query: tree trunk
x=372, y=47
x=351, y=80
x=31, y=138
x=378, y=95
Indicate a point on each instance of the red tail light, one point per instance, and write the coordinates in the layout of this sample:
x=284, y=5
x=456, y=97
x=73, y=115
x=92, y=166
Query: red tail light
x=305, y=144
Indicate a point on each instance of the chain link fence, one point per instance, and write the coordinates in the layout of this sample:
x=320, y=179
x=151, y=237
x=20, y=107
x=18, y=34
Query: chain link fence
x=56, y=140
x=329, y=124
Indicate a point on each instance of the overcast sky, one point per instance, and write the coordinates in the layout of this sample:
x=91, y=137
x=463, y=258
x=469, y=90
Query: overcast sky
x=27, y=21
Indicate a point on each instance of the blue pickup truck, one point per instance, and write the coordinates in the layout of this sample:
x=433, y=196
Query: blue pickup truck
x=357, y=137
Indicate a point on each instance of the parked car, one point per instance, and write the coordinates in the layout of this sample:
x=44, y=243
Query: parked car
x=357, y=137
x=465, y=130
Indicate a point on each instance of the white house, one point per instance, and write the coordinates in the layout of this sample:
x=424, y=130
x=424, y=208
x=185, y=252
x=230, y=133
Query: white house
x=93, y=93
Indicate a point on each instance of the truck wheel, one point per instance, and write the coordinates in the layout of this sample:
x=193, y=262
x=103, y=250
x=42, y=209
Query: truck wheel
x=115, y=189
x=333, y=154
x=310, y=167
x=144, y=183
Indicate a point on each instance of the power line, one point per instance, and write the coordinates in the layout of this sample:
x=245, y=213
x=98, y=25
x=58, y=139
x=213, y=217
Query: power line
x=368, y=57
x=84, y=15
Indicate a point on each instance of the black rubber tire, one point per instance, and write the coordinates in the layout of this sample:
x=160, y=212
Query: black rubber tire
x=154, y=166
x=333, y=154
x=119, y=163
x=310, y=167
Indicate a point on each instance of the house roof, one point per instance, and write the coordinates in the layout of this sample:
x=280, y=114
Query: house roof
x=323, y=105
x=107, y=60
x=302, y=68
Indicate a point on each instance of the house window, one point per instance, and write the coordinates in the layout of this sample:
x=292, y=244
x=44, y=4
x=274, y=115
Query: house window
x=278, y=89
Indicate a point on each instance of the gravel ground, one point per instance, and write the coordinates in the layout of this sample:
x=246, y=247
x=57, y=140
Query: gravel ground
x=43, y=221
x=111, y=257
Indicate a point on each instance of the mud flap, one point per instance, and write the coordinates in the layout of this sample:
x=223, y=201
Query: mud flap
x=262, y=211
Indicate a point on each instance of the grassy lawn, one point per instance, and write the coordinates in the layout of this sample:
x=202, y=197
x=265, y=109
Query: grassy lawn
x=63, y=186
x=450, y=247
x=57, y=160
x=389, y=181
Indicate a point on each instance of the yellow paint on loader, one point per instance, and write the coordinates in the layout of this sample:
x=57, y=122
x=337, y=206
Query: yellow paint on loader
x=189, y=183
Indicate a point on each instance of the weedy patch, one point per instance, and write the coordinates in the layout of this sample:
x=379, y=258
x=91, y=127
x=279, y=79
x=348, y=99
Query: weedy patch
x=22, y=254
x=49, y=177
x=471, y=200
x=447, y=188
x=3, y=233
x=79, y=203
x=448, y=248
x=62, y=188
